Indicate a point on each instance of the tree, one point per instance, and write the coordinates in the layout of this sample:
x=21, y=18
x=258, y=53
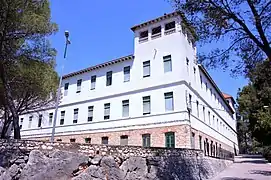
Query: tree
x=245, y=25
x=255, y=103
x=27, y=61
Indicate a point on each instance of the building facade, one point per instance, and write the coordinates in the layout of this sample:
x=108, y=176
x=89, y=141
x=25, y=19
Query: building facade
x=158, y=97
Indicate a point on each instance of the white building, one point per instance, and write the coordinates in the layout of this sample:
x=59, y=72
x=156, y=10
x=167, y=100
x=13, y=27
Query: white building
x=158, y=97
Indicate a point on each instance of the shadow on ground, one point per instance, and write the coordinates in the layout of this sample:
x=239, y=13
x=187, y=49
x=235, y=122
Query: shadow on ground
x=236, y=178
x=253, y=161
x=265, y=173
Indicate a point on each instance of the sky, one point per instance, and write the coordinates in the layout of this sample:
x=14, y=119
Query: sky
x=100, y=31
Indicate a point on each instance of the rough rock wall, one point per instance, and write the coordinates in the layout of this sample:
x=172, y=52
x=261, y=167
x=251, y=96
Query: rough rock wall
x=126, y=163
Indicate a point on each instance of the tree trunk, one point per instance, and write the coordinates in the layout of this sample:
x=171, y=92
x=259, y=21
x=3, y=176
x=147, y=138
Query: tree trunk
x=5, y=128
x=17, y=134
x=10, y=102
x=4, y=131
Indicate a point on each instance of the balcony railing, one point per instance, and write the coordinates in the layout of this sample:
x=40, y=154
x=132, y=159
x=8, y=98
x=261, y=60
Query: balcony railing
x=170, y=31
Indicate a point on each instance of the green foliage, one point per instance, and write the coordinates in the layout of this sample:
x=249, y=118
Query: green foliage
x=27, y=61
x=244, y=26
x=255, y=103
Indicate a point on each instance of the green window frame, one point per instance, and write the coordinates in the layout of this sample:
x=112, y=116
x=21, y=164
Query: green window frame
x=170, y=140
x=146, y=140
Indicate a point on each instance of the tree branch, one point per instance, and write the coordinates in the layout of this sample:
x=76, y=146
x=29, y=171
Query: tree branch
x=258, y=22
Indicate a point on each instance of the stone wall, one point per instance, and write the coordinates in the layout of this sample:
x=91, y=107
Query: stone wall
x=43, y=160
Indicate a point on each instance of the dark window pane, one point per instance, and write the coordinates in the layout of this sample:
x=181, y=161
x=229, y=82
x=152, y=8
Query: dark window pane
x=170, y=25
x=88, y=140
x=156, y=30
x=109, y=78
x=104, y=140
x=143, y=34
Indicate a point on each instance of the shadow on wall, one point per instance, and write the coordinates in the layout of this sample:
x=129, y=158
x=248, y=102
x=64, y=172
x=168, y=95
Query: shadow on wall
x=191, y=168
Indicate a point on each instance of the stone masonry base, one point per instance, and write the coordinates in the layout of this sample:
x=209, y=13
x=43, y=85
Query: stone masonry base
x=209, y=145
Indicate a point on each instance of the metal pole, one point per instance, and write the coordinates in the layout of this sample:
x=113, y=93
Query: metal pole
x=59, y=87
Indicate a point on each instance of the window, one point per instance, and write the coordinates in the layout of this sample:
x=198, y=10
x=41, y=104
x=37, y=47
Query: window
x=146, y=140
x=206, y=86
x=170, y=26
x=193, y=140
x=190, y=102
x=194, y=74
x=109, y=78
x=66, y=87
x=187, y=65
x=126, y=72
x=79, y=83
x=51, y=119
x=146, y=69
x=146, y=105
x=21, y=123
x=90, y=113
x=104, y=140
x=93, y=82
x=170, y=139
x=124, y=140
x=169, y=105
x=62, y=117
x=213, y=121
x=125, y=108
x=217, y=124
x=143, y=36
x=203, y=111
x=72, y=140
x=40, y=120
x=30, y=121
x=200, y=142
x=75, y=115
x=107, y=111
x=88, y=140
x=156, y=32
x=167, y=63
x=197, y=109
x=59, y=140
x=209, y=117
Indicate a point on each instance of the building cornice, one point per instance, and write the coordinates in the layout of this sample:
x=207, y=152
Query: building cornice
x=201, y=67
x=167, y=16
x=115, y=61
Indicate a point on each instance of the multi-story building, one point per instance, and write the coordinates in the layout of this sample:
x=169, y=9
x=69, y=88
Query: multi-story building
x=159, y=97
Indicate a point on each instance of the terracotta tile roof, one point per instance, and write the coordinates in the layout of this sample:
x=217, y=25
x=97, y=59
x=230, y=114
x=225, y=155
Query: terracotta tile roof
x=226, y=96
x=98, y=66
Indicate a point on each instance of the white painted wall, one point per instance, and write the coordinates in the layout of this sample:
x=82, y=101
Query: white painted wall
x=182, y=79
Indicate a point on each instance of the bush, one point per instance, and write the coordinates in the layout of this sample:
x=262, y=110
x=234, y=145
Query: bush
x=267, y=153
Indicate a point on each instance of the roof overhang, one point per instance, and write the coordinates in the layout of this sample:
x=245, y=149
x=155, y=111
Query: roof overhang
x=115, y=61
x=167, y=16
x=214, y=84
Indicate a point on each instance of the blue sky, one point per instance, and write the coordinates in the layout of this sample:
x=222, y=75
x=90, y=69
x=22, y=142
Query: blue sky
x=100, y=31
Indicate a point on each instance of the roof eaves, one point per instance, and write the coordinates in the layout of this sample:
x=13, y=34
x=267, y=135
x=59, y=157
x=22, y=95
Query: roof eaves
x=99, y=66
x=166, y=16
x=214, y=84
